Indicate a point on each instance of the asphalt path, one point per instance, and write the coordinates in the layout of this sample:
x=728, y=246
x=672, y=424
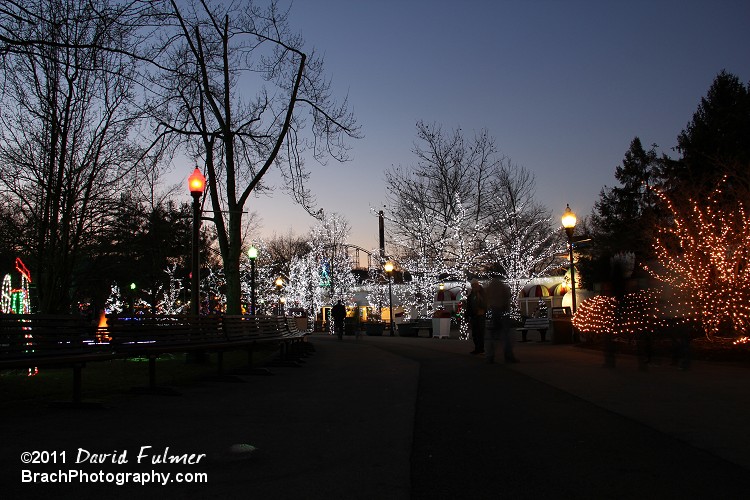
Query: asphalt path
x=490, y=431
x=398, y=418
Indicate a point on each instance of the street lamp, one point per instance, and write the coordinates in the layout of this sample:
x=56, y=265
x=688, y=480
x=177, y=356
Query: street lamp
x=279, y=283
x=388, y=268
x=252, y=254
x=132, y=298
x=197, y=184
x=441, y=286
x=569, y=223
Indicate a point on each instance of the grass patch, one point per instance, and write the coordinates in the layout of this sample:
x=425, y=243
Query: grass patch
x=104, y=378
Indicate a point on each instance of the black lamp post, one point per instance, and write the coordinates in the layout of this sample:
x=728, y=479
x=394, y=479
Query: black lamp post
x=197, y=184
x=388, y=268
x=279, y=284
x=569, y=223
x=441, y=286
x=132, y=298
x=252, y=254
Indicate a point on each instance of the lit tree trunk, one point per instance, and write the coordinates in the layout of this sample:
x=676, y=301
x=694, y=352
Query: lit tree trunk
x=231, y=260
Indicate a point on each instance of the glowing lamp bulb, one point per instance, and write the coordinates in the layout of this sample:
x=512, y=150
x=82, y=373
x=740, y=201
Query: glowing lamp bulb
x=196, y=182
x=388, y=267
x=252, y=253
x=568, y=218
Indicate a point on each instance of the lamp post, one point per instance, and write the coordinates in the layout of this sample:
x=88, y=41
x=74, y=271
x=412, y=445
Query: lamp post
x=388, y=268
x=279, y=283
x=132, y=298
x=197, y=184
x=252, y=254
x=441, y=286
x=569, y=223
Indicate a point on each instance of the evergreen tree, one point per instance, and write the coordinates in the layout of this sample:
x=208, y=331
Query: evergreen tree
x=140, y=243
x=715, y=143
x=624, y=216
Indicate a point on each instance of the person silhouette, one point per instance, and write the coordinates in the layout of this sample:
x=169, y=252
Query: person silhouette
x=338, y=314
x=476, y=310
x=498, y=304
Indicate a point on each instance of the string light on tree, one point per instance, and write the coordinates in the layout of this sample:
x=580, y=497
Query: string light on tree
x=441, y=244
x=170, y=302
x=6, y=295
x=328, y=243
x=705, y=254
x=115, y=303
x=265, y=293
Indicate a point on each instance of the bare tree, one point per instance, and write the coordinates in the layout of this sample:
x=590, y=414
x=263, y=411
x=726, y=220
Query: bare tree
x=66, y=131
x=18, y=16
x=232, y=84
x=526, y=240
x=464, y=210
x=283, y=249
x=438, y=206
x=328, y=243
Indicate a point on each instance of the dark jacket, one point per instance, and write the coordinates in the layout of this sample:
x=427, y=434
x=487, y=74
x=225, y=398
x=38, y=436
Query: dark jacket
x=338, y=312
x=476, y=306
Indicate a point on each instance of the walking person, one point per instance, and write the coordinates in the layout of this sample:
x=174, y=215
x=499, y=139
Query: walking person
x=500, y=331
x=476, y=310
x=338, y=314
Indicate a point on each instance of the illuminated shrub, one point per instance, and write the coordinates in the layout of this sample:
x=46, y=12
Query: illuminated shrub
x=641, y=312
x=595, y=316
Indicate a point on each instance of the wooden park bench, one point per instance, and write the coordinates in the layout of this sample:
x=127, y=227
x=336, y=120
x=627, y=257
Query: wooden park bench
x=297, y=338
x=293, y=345
x=142, y=335
x=424, y=324
x=248, y=332
x=32, y=341
x=151, y=336
x=539, y=324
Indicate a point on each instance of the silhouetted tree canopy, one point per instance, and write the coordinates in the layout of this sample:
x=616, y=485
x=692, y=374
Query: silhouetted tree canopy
x=715, y=142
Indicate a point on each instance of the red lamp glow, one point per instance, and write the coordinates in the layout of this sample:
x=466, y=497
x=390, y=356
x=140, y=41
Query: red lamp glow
x=196, y=182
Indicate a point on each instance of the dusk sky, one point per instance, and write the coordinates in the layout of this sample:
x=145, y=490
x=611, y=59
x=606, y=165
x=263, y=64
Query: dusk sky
x=562, y=86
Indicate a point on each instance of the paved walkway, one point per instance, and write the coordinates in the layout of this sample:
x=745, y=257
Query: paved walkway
x=559, y=425
x=391, y=417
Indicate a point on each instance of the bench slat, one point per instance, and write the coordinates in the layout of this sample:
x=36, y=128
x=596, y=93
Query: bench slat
x=45, y=340
x=539, y=324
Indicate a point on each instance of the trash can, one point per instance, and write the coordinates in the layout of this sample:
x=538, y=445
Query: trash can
x=351, y=325
x=562, y=325
x=374, y=328
x=301, y=323
x=441, y=327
